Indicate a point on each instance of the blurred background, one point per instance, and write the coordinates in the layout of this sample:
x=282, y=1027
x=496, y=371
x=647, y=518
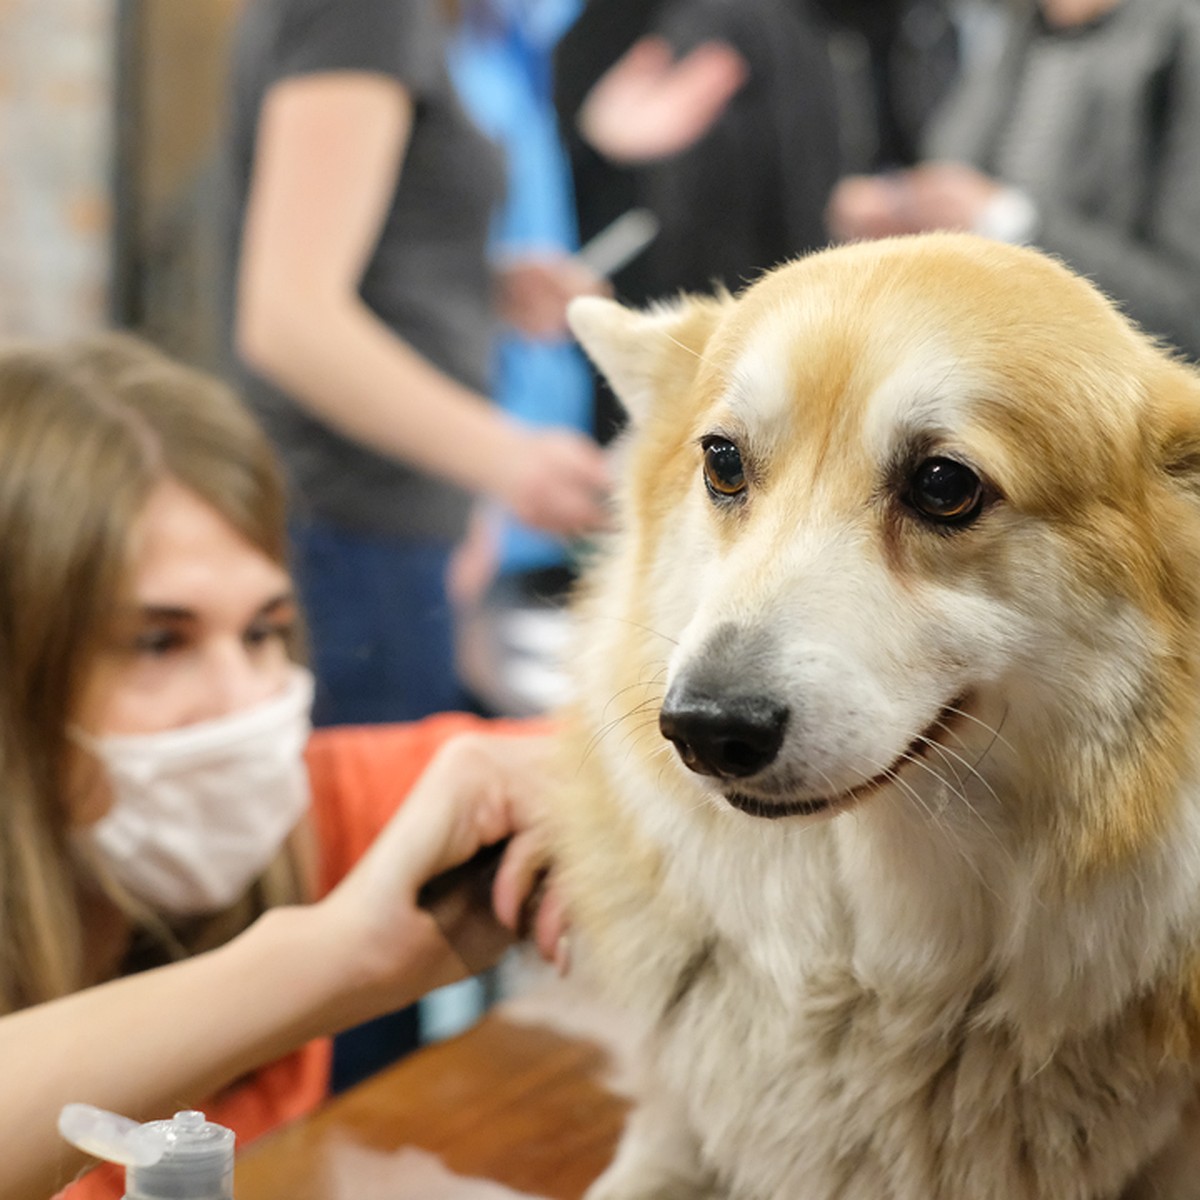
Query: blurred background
x=110, y=113
x=657, y=145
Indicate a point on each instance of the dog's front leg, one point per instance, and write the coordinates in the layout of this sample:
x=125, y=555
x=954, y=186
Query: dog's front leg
x=658, y=1157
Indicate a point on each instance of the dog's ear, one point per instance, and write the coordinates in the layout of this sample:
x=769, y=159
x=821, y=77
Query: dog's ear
x=641, y=352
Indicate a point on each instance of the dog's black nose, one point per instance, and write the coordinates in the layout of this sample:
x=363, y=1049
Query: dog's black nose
x=730, y=737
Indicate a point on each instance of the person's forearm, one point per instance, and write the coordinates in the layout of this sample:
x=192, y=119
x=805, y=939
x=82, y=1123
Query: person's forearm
x=344, y=365
x=152, y=1043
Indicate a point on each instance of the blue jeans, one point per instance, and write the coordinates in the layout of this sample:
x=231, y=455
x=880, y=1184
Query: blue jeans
x=381, y=639
x=380, y=625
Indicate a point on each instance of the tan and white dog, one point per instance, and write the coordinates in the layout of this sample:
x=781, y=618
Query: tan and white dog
x=885, y=811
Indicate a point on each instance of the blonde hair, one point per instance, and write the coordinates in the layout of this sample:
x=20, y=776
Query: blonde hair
x=87, y=430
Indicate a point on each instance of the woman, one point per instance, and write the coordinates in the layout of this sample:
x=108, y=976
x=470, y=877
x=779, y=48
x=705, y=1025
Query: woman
x=163, y=815
x=365, y=315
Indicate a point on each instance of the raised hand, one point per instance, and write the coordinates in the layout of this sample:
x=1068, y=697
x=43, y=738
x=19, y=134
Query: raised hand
x=648, y=105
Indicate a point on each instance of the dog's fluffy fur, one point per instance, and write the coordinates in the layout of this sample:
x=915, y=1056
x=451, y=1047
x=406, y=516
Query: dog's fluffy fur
x=963, y=961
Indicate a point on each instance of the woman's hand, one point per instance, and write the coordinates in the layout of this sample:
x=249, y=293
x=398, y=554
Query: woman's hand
x=478, y=790
x=948, y=195
x=556, y=480
x=868, y=206
x=528, y=900
x=934, y=195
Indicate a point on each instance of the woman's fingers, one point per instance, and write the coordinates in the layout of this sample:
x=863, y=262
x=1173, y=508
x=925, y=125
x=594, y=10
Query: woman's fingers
x=551, y=926
x=528, y=899
x=519, y=880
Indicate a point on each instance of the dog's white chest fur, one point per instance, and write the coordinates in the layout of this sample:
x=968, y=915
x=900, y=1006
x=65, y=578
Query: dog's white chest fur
x=804, y=1061
x=848, y=1096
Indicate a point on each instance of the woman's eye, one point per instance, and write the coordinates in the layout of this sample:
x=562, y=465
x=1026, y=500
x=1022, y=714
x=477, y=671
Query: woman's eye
x=158, y=642
x=260, y=634
x=723, y=472
x=946, y=491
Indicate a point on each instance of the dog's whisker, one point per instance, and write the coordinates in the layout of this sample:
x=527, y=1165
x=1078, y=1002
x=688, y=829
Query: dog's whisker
x=997, y=738
x=938, y=819
x=942, y=752
x=640, y=682
x=937, y=816
x=929, y=768
x=608, y=727
x=961, y=792
x=645, y=704
x=995, y=732
x=604, y=712
x=608, y=724
x=906, y=790
x=828, y=781
x=686, y=348
x=955, y=761
x=637, y=730
x=634, y=625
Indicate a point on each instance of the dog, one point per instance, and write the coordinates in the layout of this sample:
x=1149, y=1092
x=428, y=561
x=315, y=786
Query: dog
x=883, y=795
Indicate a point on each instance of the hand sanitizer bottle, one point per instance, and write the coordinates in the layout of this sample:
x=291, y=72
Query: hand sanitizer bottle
x=185, y=1158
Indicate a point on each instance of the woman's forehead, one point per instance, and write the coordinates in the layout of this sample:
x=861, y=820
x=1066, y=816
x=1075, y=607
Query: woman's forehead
x=185, y=554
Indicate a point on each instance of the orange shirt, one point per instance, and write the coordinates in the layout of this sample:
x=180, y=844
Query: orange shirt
x=359, y=777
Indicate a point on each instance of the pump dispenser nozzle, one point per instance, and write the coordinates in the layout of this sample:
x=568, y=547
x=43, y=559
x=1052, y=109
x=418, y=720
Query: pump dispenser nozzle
x=185, y=1158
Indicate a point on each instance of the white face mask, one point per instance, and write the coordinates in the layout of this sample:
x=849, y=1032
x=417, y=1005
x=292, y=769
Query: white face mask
x=198, y=813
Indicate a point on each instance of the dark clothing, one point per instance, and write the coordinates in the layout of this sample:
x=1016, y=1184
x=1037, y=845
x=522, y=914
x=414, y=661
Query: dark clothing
x=603, y=190
x=893, y=62
x=751, y=192
x=383, y=657
x=428, y=277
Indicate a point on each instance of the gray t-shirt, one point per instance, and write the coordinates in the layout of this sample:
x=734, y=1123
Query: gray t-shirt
x=428, y=276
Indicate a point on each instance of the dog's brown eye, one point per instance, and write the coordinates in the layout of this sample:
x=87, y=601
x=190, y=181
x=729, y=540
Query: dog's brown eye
x=946, y=491
x=723, y=471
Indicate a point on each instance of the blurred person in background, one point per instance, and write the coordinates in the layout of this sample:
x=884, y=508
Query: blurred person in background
x=363, y=319
x=1081, y=135
x=732, y=120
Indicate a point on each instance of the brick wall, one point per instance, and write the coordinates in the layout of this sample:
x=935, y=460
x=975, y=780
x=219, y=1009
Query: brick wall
x=56, y=140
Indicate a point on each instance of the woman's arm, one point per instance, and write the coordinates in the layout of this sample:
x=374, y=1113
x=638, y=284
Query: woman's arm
x=330, y=148
x=150, y=1043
